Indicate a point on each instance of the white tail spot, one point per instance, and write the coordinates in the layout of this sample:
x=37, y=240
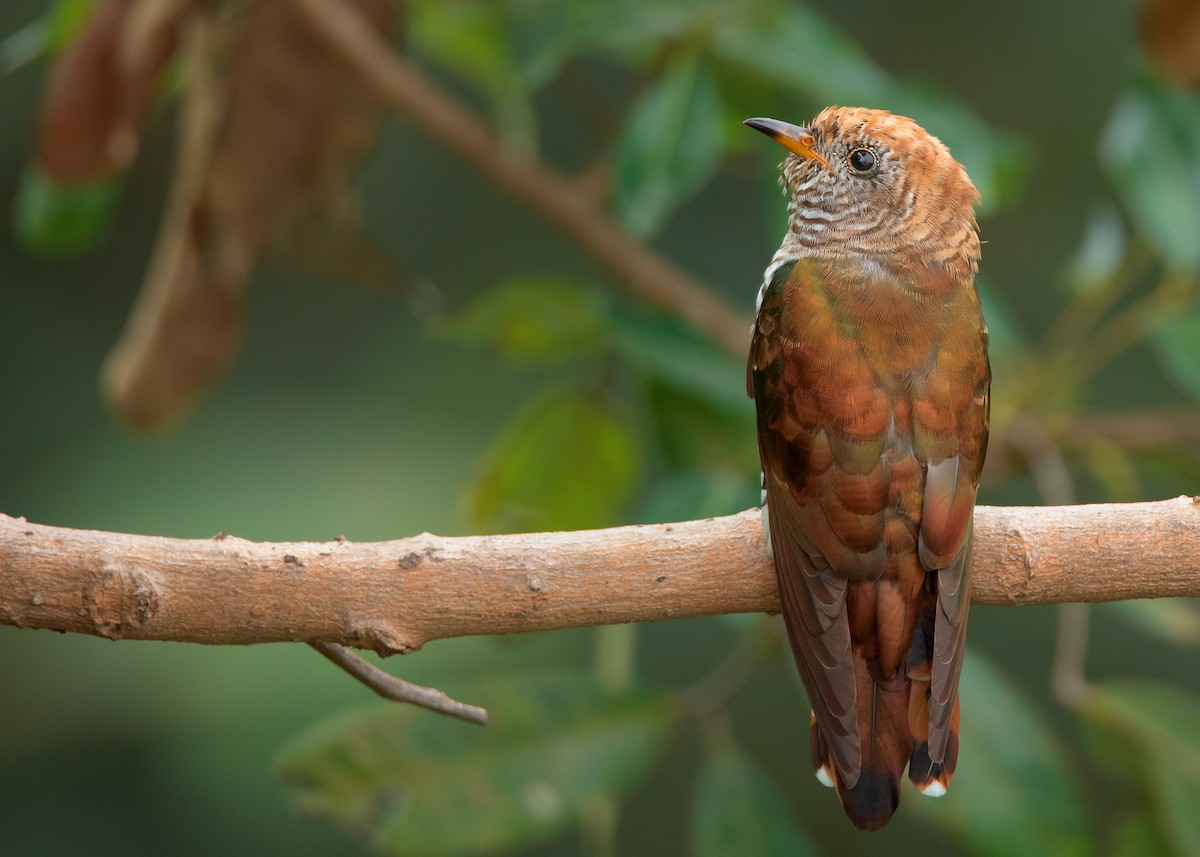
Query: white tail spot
x=825, y=779
x=934, y=789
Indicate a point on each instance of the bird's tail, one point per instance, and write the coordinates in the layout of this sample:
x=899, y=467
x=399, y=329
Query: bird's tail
x=895, y=730
x=887, y=745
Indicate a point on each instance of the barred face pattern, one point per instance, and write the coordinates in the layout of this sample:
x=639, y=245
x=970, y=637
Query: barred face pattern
x=912, y=205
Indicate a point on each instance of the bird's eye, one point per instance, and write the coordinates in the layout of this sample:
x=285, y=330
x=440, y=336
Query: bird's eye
x=862, y=160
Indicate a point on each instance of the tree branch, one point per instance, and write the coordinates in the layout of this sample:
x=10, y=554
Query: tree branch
x=395, y=596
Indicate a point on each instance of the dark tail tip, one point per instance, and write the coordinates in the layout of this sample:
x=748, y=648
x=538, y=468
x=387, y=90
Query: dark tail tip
x=931, y=778
x=870, y=804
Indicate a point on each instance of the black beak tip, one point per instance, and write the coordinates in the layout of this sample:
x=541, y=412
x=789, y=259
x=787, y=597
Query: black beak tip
x=771, y=127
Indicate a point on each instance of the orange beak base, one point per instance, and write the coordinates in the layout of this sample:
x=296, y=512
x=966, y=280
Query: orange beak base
x=792, y=137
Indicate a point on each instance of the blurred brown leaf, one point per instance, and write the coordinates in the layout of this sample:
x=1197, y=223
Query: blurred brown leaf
x=273, y=122
x=101, y=85
x=1171, y=37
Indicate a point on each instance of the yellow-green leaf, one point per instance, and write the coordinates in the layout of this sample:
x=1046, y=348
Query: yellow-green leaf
x=737, y=809
x=564, y=463
x=1153, y=733
x=534, y=319
x=671, y=145
x=61, y=220
x=1176, y=340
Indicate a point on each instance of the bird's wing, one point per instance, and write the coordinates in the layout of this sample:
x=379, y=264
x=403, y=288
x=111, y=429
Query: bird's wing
x=821, y=423
x=950, y=430
x=836, y=502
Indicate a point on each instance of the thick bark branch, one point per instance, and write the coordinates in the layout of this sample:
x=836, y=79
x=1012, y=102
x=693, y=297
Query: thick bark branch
x=395, y=596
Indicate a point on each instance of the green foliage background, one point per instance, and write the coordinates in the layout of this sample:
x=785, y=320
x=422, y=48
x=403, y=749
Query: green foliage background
x=547, y=399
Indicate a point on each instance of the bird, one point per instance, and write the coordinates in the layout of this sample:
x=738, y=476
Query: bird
x=869, y=370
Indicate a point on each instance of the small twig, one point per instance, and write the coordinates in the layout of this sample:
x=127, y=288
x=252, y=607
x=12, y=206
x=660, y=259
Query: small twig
x=1068, y=676
x=390, y=687
x=1169, y=425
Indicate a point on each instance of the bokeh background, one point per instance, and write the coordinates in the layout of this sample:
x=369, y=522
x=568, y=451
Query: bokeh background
x=432, y=403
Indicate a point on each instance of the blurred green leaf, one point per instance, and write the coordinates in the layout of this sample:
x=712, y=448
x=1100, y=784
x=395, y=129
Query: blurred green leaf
x=737, y=809
x=65, y=20
x=1013, y=792
x=671, y=145
x=548, y=33
x=693, y=494
x=1176, y=341
x=534, y=319
x=1004, y=336
x=663, y=348
x=23, y=46
x=1137, y=836
x=1115, y=468
x=1155, y=730
x=798, y=49
x=563, y=463
x=470, y=39
x=794, y=47
x=1172, y=620
x=48, y=34
x=406, y=782
x=61, y=220
x=773, y=197
x=689, y=434
x=1151, y=149
x=1177, y=468
x=1101, y=251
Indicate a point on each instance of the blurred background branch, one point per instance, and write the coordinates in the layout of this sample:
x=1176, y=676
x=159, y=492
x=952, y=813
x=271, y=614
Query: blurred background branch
x=569, y=203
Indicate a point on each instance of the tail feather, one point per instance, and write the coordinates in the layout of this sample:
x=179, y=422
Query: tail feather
x=930, y=777
x=870, y=804
x=930, y=767
x=822, y=760
x=886, y=748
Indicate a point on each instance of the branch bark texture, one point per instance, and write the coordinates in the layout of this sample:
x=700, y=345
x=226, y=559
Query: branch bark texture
x=395, y=596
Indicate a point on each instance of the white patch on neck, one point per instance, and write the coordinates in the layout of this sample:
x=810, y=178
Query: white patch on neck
x=768, y=275
x=766, y=520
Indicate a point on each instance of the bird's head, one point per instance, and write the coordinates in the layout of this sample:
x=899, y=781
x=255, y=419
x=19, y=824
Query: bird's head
x=869, y=183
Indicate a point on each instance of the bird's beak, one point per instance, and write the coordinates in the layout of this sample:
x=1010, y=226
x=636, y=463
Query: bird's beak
x=791, y=137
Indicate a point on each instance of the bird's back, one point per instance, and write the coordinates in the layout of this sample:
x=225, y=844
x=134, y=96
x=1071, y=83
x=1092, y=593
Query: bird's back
x=863, y=378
